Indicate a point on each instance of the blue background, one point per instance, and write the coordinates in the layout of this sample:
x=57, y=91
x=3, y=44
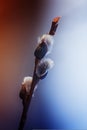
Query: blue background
x=60, y=102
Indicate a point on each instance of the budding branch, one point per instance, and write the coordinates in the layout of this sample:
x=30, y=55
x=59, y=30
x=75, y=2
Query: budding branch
x=27, y=99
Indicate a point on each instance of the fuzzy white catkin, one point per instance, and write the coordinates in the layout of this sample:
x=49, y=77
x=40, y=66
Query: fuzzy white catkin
x=44, y=65
x=27, y=81
x=48, y=39
x=49, y=62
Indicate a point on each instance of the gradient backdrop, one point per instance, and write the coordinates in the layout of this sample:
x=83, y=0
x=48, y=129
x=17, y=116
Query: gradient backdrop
x=60, y=101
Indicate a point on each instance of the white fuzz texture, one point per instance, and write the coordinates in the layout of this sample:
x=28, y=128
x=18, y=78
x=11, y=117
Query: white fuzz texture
x=48, y=39
x=27, y=83
x=44, y=66
x=27, y=80
x=49, y=62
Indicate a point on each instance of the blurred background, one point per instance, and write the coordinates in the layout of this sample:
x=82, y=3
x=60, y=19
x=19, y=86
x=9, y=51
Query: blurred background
x=60, y=102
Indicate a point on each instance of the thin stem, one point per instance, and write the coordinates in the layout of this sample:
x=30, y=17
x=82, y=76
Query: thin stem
x=54, y=25
x=27, y=100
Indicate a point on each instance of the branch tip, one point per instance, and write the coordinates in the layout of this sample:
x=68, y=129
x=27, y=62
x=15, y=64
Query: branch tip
x=56, y=19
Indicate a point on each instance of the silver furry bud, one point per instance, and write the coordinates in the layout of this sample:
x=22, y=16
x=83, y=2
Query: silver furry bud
x=26, y=86
x=27, y=83
x=48, y=40
x=45, y=44
x=43, y=67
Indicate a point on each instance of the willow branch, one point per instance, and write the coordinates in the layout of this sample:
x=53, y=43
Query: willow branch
x=27, y=99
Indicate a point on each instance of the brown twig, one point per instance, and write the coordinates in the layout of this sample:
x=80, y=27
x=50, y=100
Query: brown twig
x=27, y=99
x=54, y=25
